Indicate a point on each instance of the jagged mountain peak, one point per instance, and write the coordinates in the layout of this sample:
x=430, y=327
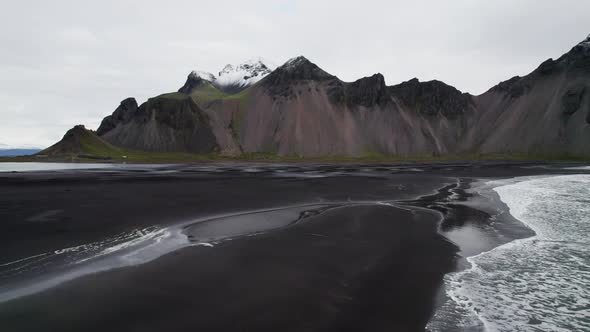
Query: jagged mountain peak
x=126, y=110
x=304, y=69
x=296, y=61
x=254, y=67
x=235, y=78
x=232, y=78
x=297, y=69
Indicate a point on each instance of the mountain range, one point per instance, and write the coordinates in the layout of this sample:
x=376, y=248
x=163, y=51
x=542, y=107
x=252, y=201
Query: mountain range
x=298, y=109
x=12, y=151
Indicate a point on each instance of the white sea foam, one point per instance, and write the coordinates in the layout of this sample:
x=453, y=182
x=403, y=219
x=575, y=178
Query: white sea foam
x=43, y=271
x=534, y=284
x=136, y=247
x=581, y=168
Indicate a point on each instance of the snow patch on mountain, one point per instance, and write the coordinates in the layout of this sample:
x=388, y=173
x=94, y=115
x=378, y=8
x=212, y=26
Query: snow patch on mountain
x=235, y=78
x=203, y=75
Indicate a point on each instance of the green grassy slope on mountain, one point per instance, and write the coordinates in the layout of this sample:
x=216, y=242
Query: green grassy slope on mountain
x=206, y=93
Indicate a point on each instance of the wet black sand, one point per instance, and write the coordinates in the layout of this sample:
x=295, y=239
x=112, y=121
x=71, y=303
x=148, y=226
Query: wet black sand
x=364, y=267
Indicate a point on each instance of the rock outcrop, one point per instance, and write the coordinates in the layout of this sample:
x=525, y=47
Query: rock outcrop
x=367, y=91
x=432, y=98
x=193, y=81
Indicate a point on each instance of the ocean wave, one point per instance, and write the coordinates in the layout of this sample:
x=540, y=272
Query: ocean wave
x=533, y=284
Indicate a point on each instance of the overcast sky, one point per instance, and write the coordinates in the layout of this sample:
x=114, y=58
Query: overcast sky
x=64, y=63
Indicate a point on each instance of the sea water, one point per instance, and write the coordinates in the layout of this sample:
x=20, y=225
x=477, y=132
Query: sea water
x=541, y=283
x=36, y=167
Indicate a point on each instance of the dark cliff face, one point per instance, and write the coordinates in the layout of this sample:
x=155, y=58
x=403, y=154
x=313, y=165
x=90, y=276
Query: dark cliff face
x=122, y=114
x=367, y=91
x=432, y=98
x=171, y=122
x=175, y=111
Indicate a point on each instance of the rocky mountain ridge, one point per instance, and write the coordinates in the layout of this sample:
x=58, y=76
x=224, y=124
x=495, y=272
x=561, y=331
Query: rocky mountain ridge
x=300, y=109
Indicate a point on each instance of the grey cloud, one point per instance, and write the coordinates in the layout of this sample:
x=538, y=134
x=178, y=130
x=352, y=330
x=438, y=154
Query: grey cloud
x=69, y=62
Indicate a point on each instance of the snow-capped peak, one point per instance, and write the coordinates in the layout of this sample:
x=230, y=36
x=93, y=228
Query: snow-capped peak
x=243, y=75
x=235, y=78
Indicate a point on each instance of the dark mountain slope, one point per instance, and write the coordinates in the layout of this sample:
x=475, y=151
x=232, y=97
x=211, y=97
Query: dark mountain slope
x=545, y=112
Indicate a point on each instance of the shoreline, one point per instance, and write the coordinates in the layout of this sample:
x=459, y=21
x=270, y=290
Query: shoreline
x=494, y=223
x=473, y=286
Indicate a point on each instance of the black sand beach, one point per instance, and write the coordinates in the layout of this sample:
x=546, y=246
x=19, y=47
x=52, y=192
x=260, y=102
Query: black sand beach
x=372, y=260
